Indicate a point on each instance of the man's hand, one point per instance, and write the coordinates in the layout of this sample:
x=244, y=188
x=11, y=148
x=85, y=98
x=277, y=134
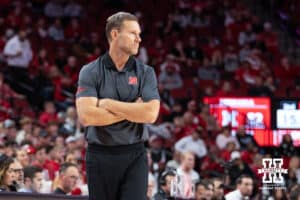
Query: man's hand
x=103, y=103
x=139, y=100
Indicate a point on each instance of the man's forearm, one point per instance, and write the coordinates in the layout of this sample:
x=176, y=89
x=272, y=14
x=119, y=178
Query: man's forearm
x=91, y=115
x=145, y=112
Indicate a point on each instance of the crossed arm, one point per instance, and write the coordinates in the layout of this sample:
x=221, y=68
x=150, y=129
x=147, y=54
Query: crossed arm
x=109, y=111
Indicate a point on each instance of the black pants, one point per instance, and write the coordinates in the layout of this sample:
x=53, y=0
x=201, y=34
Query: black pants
x=117, y=173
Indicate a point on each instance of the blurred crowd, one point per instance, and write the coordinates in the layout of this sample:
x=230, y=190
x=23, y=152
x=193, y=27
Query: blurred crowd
x=197, y=47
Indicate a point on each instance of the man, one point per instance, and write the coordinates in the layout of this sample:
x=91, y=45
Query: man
x=165, y=186
x=244, y=189
x=238, y=167
x=204, y=190
x=192, y=143
x=33, y=177
x=188, y=175
x=22, y=157
x=218, y=188
x=116, y=95
x=68, y=176
x=18, y=55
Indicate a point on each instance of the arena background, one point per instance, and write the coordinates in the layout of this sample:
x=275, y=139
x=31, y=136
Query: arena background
x=222, y=65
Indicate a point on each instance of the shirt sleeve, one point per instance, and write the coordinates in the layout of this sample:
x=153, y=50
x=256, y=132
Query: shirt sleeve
x=87, y=84
x=150, y=89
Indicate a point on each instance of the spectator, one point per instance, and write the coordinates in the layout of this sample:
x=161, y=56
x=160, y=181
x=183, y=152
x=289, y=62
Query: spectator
x=204, y=190
x=187, y=173
x=231, y=60
x=33, y=180
x=22, y=157
x=193, y=54
x=26, y=130
x=259, y=89
x=150, y=188
x=7, y=174
x=54, y=8
x=165, y=185
x=74, y=31
x=170, y=78
x=56, y=158
x=73, y=9
x=18, y=56
x=159, y=155
x=226, y=90
x=71, y=143
x=246, y=36
x=287, y=147
x=175, y=162
x=10, y=131
x=153, y=185
x=278, y=194
x=178, y=52
x=218, y=189
x=69, y=125
x=226, y=152
x=18, y=170
x=211, y=123
x=71, y=69
x=71, y=157
x=244, y=52
x=224, y=137
x=295, y=193
x=244, y=138
x=238, y=167
x=41, y=28
x=285, y=71
x=68, y=175
x=244, y=189
x=208, y=71
x=40, y=157
x=14, y=19
x=56, y=31
x=245, y=74
x=192, y=143
x=269, y=37
x=294, y=166
x=49, y=113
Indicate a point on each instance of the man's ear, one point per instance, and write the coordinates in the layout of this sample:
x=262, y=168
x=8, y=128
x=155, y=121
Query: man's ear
x=114, y=33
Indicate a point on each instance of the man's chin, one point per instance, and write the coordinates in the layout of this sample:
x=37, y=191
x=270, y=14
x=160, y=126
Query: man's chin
x=134, y=52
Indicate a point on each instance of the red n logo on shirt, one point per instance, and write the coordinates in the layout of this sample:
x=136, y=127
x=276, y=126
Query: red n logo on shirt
x=132, y=80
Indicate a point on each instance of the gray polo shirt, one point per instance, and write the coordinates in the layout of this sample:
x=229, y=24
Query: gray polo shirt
x=101, y=79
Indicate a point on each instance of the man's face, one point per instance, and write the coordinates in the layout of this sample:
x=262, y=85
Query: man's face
x=22, y=35
x=200, y=192
x=128, y=37
x=167, y=187
x=70, y=179
x=41, y=155
x=209, y=191
x=218, y=188
x=189, y=161
x=150, y=189
x=23, y=158
x=246, y=187
x=37, y=182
